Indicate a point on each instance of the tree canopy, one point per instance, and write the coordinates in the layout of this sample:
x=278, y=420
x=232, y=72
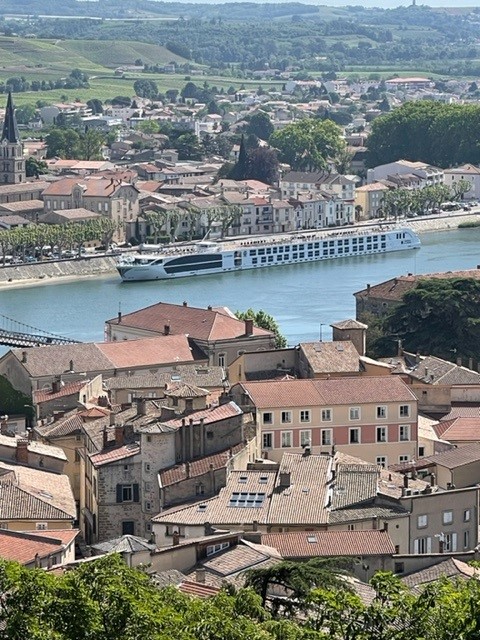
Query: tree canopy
x=440, y=134
x=264, y=321
x=308, y=144
x=439, y=317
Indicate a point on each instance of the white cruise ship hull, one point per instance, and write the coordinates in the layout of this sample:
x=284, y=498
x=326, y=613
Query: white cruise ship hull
x=206, y=258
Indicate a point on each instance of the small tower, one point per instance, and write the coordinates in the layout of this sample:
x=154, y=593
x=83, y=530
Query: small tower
x=12, y=162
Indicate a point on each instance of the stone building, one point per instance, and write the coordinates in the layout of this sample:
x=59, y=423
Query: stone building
x=13, y=163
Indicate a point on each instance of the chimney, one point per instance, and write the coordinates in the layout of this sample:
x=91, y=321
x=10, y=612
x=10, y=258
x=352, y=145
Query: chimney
x=200, y=575
x=24, y=356
x=209, y=308
x=432, y=479
x=4, y=426
x=56, y=385
x=307, y=451
x=385, y=526
x=105, y=437
x=21, y=453
x=368, y=289
x=185, y=304
x=119, y=439
x=166, y=330
x=405, y=481
x=71, y=366
x=141, y=407
x=470, y=363
x=187, y=469
x=111, y=419
x=175, y=538
x=119, y=317
x=285, y=478
x=255, y=525
x=459, y=361
x=399, y=348
x=249, y=327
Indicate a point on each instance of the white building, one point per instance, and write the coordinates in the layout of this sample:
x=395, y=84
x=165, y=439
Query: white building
x=466, y=172
x=428, y=174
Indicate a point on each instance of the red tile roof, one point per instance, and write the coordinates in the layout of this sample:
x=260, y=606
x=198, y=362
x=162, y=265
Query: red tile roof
x=459, y=429
x=92, y=187
x=23, y=546
x=68, y=389
x=113, y=455
x=198, y=589
x=197, y=467
x=222, y=412
x=199, y=324
x=147, y=351
x=301, y=393
x=307, y=544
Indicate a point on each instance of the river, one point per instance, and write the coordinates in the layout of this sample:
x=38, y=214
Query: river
x=304, y=299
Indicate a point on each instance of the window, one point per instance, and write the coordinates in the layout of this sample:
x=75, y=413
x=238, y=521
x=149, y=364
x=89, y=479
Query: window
x=421, y=452
x=216, y=548
x=221, y=360
x=354, y=413
x=128, y=528
x=41, y=526
x=305, y=415
x=447, y=517
x=399, y=567
x=128, y=493
x=286, y=439
x=354, y=436
x=286, y=417
x=267, y=417
x=246, y=500
x=404, y=432
x=326, y=415
x=351, y=527
x=381, y=412
x=381, y=461
x=466, y=539
x=466, y=515
x=422, y=521
x=404, y=458
x=148, y=486
x=326, y=437
x=267, y=440
x=199, y=489
x=147, y=467
x=450, y=542
x=381, y=434
x=404, y=411
x=305, y=438
x=422, y=545
x=148, y=505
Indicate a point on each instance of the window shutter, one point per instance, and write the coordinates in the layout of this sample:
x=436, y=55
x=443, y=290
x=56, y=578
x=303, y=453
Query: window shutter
x=136, y=493
x=415, y=546
x=429, y=545
x=119, y=493
x=454, y=541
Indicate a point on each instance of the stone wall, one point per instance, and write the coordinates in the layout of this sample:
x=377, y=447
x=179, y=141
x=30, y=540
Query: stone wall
x=44, y=271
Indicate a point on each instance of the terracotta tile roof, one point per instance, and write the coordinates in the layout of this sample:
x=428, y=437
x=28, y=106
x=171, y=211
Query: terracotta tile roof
x=194, y=374
x=185, y=391
x=53, y=489
x=451, y=568
x=147, y=351
x=349, y=324
x=356, y=514
x=113, y=455
x=304, y=501
x=19, y=504
x=39, y=448
x=354, y=484
x=104, y=356
x=24, y=546
x=315, y=392
x=94, y=412
x=239, y=558
x=458, y=429
x=395, y=288
x=80, y=213
x=198, y=589
x=308, y=544
x=327, y=357
x=462, y=411
x=91, y=187
x=197, y=468
x=22, y=205
x=199, y=324
x=209, y=416
x=457, y=457
x=66, y=426
x=68, y=389
x=433, y=370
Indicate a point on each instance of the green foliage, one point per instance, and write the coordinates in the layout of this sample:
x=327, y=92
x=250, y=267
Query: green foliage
x=264, y=321
x=470, y=224
x=444, y=135
x=308, y=144
x=69, y=143
x=260, y=125
x=11, y=400
x=439, y=317
x=145, y=88
x=34, y=167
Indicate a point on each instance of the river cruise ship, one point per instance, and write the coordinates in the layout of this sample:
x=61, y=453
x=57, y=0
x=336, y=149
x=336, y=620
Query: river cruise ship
x=206, y=257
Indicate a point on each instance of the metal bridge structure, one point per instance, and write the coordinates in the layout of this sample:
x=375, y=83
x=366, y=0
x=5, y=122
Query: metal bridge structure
x=18, y=334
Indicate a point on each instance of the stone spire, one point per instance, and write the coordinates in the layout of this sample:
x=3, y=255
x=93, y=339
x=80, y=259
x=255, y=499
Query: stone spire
x=10, y=129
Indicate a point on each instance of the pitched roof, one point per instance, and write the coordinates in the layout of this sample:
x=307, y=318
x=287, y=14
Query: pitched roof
x=354, y=484
x=70, y=388
x=194, y=374
x=65, y=426
x=451, y=568
x=103, y=356
x=457, y=457
x=199, y=324
x=305, y=392
x=208, y=415
x=433, y=370
x=25, y=546
x=307, y=544
x=106, y=456
x=196, y=468
x=198, y=589
x=124, y=544
x=329, y=357
x=10, y=130
x=458, y=429
x=92, y=186
x=19, y=504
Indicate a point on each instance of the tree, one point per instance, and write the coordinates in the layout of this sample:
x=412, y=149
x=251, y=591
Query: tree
x=145, y=89
x=262, y=165
x=264, y=321
x=90, y=145
x=25, y=113
x=240, y=168
x=460, y=188
x=34, y=167
x=308, y=144
x=95, y=105
x=439, y=317
x=260, y=125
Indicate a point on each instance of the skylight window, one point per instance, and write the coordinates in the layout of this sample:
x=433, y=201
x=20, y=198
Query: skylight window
x=312, y=539
x=263, y=479
x=243, y=479
x=202, y=507
x=246, y=500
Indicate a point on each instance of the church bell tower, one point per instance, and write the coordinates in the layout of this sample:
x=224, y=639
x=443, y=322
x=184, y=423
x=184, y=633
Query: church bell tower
x=12, y=162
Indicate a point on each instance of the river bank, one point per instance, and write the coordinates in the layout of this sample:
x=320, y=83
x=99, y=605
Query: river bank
x=91, y=267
